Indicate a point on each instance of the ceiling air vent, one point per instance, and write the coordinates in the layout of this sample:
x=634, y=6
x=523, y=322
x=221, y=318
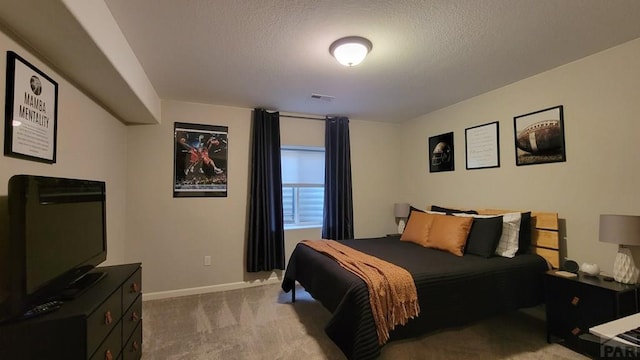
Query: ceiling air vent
x=322, y=97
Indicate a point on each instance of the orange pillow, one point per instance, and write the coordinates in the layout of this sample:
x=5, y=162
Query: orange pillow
x=449, y=233
x=417, y=229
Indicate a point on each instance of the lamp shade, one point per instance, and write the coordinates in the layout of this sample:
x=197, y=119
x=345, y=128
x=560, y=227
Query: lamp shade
x=401, y=210
x=351, y=50
x=620, y=229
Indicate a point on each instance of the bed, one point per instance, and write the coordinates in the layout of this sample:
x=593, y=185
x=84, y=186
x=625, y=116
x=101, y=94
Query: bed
x=452, y=290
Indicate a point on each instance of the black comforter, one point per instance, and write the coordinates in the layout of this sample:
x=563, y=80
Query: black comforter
x=452, y=290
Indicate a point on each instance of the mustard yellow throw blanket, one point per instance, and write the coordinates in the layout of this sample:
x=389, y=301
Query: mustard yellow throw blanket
x=392, y=292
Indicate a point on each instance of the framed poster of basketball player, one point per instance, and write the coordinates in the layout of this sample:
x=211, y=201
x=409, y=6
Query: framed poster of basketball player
x=31, y=112
x=441, y=153
x=539, y=137
x=200, y=160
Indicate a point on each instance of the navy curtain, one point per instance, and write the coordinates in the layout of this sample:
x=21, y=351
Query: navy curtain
x=338, y=203
x=265, y=243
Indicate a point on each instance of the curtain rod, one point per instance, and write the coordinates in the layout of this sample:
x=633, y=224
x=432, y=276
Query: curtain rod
x=302, y=117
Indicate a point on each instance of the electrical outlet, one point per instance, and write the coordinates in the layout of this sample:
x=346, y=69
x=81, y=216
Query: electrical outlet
x=207, y=260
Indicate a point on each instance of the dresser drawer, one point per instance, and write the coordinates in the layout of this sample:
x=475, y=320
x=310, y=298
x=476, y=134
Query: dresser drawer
x=575, y=304
x=131, y=289
x=132, y=318
x=110, y=348
x=133, y=349
x=89, y=326
x=103, y=320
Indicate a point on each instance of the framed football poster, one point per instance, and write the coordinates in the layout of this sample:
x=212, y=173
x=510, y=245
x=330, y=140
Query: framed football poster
x=539, y=137
x=441, y=153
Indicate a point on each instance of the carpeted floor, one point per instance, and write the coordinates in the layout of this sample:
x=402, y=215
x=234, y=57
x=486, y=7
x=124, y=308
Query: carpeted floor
x=261, y=323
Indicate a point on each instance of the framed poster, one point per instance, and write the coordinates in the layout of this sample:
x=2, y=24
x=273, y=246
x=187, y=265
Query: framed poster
x=31, y=112
x=200, y=160
x=539, y=137
x=482, y=146
x=441, y=153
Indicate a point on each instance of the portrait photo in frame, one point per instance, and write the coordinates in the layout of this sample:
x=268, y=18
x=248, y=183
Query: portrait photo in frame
x=539, y=137
x=441, y=153
x=200, y=160
x=31, y=112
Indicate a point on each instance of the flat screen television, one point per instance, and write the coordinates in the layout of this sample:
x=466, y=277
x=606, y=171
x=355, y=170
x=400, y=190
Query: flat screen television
x=57, y=234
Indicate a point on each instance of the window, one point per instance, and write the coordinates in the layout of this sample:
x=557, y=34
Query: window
x=302, y=186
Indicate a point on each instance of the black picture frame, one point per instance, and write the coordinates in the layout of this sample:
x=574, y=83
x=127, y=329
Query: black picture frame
x=441, y=153
x=482, y=146
x=31, y=112
x=200, y=160
x=539, y=137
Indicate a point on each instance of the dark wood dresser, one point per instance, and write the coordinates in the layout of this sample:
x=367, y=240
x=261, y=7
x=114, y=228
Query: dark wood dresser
x=573, y=305
x=105, y=322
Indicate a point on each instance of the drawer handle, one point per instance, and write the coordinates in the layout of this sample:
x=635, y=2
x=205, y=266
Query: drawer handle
x=576, y=331
x=108, y=355
x=575, y=301
x=108, y=319
x=134, y=346
x=135, y=316
x=134, y=287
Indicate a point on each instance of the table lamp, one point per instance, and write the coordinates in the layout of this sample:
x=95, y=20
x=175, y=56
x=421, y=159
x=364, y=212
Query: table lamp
x=401, y=211
x=623, y=230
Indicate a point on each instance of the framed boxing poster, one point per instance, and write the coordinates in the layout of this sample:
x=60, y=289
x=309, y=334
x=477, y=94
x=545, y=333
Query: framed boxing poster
x=539, y=137
x=200, y=160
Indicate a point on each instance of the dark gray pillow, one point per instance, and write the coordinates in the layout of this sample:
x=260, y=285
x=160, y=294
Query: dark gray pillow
x=484, y=236
x=524, y=238
x=412, y=209
x=452, y=211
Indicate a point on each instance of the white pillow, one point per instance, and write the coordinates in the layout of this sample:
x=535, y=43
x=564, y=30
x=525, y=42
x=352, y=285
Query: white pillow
x=508, y=244
x=474, y=215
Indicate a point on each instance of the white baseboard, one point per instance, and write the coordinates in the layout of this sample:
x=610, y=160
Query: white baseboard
x=208, y=289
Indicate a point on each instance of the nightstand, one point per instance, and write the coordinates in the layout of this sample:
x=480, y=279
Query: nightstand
x=573, y=305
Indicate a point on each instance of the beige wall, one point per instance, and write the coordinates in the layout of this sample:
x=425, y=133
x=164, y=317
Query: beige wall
x=171, y=236
x=375, y=170
x=91, y=145
x=602, y=171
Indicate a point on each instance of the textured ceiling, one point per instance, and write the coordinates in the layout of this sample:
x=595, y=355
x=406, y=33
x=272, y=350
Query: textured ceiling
x=426, y=54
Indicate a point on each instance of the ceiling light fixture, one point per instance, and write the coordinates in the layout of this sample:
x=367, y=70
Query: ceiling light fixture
x=350, y=50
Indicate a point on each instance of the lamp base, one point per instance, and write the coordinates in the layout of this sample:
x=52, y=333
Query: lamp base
x=401, y=226
x=624, y=268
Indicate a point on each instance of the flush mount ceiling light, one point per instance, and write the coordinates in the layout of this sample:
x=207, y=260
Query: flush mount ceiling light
x=350, y=50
